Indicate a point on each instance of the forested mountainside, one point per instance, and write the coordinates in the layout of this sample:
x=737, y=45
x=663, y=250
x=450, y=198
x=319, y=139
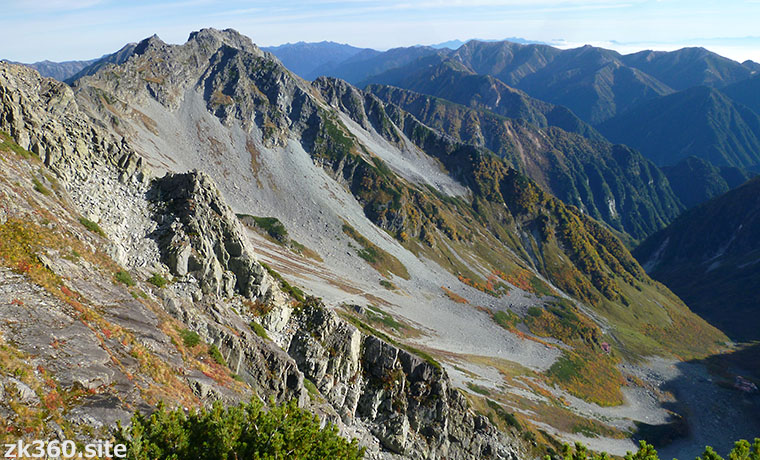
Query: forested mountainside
x=746, y=92
x=700, y=122
x=695, y=180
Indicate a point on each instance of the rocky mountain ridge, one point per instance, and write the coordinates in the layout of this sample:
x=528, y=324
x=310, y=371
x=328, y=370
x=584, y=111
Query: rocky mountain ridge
x=610, y=183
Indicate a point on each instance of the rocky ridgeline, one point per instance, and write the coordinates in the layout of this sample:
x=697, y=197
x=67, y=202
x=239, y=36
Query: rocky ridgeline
x=387, y=396
x=249, y=89
x=42, y=115
x=406, y=402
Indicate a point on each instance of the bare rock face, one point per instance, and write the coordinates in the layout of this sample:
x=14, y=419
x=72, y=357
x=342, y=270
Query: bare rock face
x=199, y=235
x=406, y=402
x=42, y=115
x=202, y=243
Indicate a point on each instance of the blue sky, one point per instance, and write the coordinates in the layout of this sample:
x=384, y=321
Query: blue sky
x=82, y=29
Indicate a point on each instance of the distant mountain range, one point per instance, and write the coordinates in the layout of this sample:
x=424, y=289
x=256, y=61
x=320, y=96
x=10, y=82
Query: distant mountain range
x=699, y=121
x=310, y=60
x=58, y=70
x=454, y=44
x=595, y=83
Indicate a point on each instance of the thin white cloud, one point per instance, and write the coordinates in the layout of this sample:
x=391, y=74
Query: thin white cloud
x=42, y=5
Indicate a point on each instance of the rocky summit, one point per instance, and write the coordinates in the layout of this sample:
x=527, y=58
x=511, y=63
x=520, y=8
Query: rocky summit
x=195, y=224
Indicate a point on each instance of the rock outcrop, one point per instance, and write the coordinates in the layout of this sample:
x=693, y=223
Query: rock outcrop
x=199, y=235
x=407, y=402
x=42, y=115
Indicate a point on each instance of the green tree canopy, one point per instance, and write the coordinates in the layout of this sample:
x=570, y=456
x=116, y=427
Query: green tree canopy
x=742, y=450
x=246, y=431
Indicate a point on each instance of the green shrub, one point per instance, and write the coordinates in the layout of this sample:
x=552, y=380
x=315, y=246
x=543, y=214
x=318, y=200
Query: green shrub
x=507, y=417
x=189, y=338
x=376, y=315
x=271, y=225
x=91, y=226
x=39, y=187
x=380, y=260
x=124, y=278
x=742, y=450
x=245, y=431
x=369, y=254
x=540, y=287
x=214, y=352
x=259, y=330
x=535, y=311
x=158, y=280
x=506, y=319
x=565, y=368
x=387, y=285
x=481, y=390
x=6, y=142
x=311, y=388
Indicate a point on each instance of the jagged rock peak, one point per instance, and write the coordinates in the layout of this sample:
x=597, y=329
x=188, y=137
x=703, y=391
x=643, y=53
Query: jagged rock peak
x=216, y=38
x=200, y=235
x=149, y=43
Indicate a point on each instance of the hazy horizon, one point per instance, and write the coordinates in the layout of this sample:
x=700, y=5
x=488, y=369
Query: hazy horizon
x=60, y=30
x=623, y=48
